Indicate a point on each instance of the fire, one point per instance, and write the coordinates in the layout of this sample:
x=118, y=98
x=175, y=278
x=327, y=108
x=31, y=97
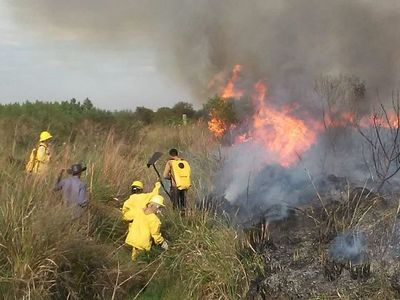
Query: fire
x=341, y=119
x=344, y=119
x=284, y=136
x=229, y=91
x=391, y=120
x=217, y=126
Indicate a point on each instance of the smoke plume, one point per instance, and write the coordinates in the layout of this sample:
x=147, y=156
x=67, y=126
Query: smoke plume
x=288, y=42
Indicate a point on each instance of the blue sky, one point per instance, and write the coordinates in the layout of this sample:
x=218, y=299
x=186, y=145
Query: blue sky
x=34, y=67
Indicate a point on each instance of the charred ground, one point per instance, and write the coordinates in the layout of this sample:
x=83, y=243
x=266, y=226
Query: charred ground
x=299, y=251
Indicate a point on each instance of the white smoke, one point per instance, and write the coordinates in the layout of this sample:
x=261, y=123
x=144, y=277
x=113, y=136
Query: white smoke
x=260, y=186
x=348, y=247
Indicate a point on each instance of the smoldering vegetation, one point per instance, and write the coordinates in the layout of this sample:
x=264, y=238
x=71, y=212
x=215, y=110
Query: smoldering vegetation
x=348, y=247
x=259, y=187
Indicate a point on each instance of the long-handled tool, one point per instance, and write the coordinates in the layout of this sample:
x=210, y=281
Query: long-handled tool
x=153, y=159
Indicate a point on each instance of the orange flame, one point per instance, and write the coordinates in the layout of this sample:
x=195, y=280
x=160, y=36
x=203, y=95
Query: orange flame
x=284, y=136
x=230, y=91
x=217, y=126
x=341, y=119
x=344, y=119
x=391, y=120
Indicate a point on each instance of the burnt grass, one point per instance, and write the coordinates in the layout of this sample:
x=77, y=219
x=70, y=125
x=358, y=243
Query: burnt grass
x=295, y=251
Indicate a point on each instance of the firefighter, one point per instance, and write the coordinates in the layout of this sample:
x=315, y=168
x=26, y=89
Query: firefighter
x=137, y=197
x=178, y=171
x=144, y=226
x=40, y=156
x=74, y=190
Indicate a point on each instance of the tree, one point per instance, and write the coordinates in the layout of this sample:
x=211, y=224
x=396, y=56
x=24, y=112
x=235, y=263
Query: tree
x=383, y=140
x=87, y=104
x=181, y=108
x=164, y=115
x=144, y=115
x=222, y=109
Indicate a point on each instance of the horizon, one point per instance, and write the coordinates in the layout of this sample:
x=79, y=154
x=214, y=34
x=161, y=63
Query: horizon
x=81, y=101
x=39, y=66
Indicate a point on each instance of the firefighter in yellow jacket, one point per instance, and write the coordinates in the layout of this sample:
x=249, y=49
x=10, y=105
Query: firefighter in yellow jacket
x=145, y=226
x=40, y=156
x=137, y=197
x=178, y=171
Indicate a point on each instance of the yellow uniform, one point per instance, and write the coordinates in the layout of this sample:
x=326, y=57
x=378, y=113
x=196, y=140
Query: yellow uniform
x=140, y=200
x=42, y=159
x=142, y=229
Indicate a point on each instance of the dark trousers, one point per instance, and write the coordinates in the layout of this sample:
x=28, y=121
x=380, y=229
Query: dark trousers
x=178, y=197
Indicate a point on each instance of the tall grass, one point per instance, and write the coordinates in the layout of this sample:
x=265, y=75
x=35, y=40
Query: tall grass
x=45, y=254
x=204, y=257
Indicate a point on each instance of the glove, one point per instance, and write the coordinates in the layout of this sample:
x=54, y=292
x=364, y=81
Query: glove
x=158, y=184
x=164, y=245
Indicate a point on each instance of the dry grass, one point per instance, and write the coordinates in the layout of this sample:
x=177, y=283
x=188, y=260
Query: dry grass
x=46, y=255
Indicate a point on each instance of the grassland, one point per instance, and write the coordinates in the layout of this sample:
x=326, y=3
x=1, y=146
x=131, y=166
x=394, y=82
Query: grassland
x=45, y=255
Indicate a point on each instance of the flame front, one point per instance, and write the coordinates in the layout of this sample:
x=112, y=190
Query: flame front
x=217, y=126
x=284, y=136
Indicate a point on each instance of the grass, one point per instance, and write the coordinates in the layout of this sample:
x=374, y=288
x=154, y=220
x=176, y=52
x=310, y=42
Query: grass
x=46, y=255
x=204, y=257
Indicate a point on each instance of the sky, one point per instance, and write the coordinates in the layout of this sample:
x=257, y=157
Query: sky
x=127, y=53
x=33, y=67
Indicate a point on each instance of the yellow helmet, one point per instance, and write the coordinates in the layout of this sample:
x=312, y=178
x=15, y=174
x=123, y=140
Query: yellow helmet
x=138, y=184
x=157, y=199
x=44, y=136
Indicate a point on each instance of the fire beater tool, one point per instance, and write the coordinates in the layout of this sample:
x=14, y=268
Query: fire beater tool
x=152, y=162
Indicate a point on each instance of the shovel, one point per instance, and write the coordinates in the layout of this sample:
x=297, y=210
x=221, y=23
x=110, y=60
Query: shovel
x=153, y=159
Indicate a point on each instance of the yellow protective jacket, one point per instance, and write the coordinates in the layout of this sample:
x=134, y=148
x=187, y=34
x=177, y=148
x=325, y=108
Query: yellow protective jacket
x=143, y=229
x=140, y=200
x=39, y=162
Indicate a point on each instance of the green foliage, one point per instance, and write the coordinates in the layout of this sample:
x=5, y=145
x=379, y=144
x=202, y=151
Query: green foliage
x=87, y=104
x=221, y=108
x=173, y=116
x=144, y=115
x=230, y=111
x=67, y=117
x=181, y=108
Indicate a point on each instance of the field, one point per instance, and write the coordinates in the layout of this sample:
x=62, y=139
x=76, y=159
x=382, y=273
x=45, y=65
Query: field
x=45, y=255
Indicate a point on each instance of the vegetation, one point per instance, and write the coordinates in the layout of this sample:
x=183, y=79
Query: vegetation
x=45, y=255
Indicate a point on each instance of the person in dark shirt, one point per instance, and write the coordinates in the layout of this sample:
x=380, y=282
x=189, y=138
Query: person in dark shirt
x=74, y=190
